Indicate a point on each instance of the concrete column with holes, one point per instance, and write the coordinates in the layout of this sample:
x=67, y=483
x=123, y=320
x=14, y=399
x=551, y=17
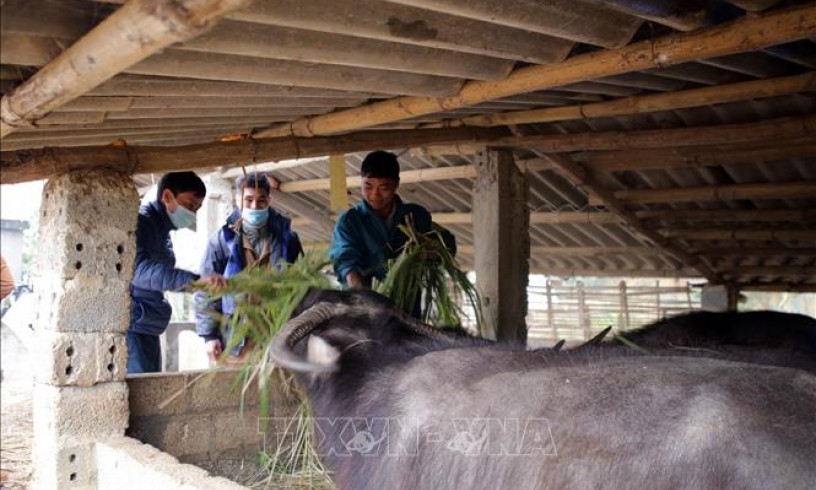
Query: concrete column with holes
x=85, y=263
x=501, y=235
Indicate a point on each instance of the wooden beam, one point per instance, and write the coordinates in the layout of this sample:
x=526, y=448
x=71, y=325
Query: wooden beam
x=578, y=272
x=577, y=251
x=766, y=131
x=581, y=178
x=564, y=217
x=747, y=34
x=134, y=32
x=772, y=215
x=729, y=192
x=742, y=235
x=640, y=104
x=27, y=165
x=778, y=287
x=761, y=252
x=698, y=157
x=770, y=270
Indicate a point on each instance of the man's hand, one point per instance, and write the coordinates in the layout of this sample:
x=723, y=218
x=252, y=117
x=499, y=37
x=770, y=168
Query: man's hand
x=216, y=281
x=355, y=281
x=214, y=349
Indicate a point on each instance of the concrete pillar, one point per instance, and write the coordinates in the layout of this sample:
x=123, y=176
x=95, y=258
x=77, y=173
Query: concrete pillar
x=218, y=205
x=501, y=234
x=85, y=263
x=720, y=297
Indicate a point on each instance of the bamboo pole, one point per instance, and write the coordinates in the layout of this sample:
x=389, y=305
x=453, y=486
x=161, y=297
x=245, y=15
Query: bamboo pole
x=746, y=34
x=30, y=165
x=640, y=104
x=582, y=178
x=137, y=30
x=730, y=192
x=767, y=131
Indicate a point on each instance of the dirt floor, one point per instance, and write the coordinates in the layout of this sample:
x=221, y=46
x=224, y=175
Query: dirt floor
x=15, y=412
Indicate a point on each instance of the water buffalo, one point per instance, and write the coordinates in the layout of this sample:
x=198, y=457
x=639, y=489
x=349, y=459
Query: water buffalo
x=761, y=337
x=400, y=405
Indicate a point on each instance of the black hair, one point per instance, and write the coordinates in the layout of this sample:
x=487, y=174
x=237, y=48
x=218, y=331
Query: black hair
x=380, y=165
x=253, y=180
x=179, y=182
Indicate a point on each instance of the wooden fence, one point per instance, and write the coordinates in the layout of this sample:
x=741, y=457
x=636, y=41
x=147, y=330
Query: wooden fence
x=557, y=311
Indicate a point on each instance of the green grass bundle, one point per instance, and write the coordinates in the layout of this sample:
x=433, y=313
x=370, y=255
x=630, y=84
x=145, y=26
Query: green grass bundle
x=426, y=272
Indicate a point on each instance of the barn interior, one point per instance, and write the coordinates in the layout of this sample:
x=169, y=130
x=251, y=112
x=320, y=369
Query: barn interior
x=592, y=138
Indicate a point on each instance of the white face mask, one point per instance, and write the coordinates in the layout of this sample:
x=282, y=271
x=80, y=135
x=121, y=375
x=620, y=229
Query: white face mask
x=182, y=217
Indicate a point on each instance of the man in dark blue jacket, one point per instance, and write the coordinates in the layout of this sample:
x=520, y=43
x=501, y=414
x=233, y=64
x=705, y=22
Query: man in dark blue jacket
x=254, y=236
x=179, y=196
x=368, y=235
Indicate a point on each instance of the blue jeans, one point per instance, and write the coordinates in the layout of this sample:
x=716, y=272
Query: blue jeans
x=144, y=353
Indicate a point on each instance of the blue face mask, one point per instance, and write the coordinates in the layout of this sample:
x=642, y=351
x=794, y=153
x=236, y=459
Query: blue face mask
x=182, y=217
x=255, y=217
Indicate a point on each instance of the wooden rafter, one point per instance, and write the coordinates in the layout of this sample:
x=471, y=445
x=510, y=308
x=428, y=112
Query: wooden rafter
x=743, y=35
x=584, y=179
x=134, y=32
x=765, y=131
x=753, y=215
x=700, y=156
x=728, y=192
x=742, y=235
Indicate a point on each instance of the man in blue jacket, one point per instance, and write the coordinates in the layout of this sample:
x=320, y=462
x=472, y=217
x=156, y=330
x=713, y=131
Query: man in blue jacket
x=367, y=235
x=254, y=236
x=179, y=196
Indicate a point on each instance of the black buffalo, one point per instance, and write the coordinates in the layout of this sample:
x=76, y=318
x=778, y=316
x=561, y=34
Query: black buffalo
x=761, y=337
x=401, y=405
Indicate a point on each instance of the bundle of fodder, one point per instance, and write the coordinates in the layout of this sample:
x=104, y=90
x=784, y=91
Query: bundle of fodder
x=425, y=279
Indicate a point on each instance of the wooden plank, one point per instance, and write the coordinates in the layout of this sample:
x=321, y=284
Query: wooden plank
x=730, y=192
x=132, y=33
x=739, y=36
x=39, y=164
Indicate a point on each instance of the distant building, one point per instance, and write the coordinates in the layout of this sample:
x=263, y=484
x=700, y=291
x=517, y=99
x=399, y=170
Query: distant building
x=11, y=245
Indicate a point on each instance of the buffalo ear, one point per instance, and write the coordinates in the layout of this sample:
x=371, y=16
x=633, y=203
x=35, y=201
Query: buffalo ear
x=321, y=353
